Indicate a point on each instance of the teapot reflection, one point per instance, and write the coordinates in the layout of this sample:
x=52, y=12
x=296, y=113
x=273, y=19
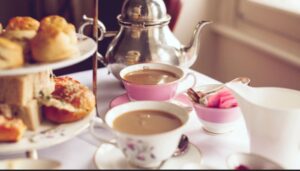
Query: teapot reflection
x=145, y=37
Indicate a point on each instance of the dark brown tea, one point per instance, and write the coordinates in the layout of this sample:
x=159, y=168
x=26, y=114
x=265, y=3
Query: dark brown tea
x=145, y=122
x=150, y=77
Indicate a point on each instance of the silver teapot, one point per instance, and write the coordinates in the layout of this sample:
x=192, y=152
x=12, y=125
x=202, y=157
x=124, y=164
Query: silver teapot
x=144, y=36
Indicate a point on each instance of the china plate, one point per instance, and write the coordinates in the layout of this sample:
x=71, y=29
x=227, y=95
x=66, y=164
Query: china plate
x=47, y=135
x=29, y=164
x=181, y=99
x=87, y=46
x=110, y=157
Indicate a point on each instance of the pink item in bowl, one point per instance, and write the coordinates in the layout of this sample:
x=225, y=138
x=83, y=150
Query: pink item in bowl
x=221, y=99
x=220, y=112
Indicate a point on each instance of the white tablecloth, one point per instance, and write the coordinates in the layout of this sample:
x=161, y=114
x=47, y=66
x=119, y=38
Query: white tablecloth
x=78, y=153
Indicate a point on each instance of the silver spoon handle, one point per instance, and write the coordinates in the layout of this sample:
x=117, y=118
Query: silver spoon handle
x=244, y=80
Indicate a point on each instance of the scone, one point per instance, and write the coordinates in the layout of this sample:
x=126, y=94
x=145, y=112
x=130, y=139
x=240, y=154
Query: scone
x=21, y=30
x=22, y=27
x=11, y=54
x=70, y=101
x=56, y=40
x=11, y=129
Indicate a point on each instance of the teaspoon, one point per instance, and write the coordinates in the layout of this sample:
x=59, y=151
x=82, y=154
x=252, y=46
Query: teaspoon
x=182, y=146
x=181, y=149
x=196, y=96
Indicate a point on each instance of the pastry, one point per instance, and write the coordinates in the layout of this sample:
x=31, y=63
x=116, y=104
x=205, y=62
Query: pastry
x=70, y=101
x=54, y=20
x=1, y=28
x=21, y=30
x=5, y=110
x=11, y=54
x=23, y=24
x=11, y=129
x=19, y=96
x=56, y=40
x=30, y=113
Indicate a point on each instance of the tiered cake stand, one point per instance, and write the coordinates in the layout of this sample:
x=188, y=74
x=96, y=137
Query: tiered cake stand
x=50, y=134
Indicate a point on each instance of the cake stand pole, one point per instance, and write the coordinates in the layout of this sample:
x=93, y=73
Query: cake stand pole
x=32, y=154
x=95, y=57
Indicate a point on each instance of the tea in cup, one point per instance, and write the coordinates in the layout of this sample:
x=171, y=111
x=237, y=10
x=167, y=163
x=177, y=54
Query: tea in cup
x=153, y=81
x=147, y=132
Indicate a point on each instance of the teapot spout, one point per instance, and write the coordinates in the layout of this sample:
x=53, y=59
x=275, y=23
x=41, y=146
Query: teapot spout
x=190, y=52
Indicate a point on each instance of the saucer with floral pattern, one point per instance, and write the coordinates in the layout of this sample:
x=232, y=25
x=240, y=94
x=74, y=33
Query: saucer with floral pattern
x=111, y=157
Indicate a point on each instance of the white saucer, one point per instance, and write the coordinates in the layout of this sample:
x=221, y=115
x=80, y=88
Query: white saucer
x=110, y=157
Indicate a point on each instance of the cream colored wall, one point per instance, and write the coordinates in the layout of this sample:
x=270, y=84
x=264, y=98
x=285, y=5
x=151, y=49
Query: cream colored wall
x=194, y=11
x=224, y=58
x=235, y=59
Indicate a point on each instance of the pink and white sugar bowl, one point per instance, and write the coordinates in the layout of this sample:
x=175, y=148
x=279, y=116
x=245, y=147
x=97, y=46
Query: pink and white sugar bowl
x=219, y=111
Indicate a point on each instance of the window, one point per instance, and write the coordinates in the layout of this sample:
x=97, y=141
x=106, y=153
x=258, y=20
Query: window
x=287, y=5
x=280, y=16
x=269, y=25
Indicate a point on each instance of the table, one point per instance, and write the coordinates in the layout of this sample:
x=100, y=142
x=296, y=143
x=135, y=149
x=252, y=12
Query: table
x=78, y=153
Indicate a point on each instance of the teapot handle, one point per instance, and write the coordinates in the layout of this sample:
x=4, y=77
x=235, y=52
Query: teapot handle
x=90, y=21
x=103, y=33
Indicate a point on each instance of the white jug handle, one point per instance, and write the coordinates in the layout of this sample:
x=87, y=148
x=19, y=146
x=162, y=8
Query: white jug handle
x=98, y=122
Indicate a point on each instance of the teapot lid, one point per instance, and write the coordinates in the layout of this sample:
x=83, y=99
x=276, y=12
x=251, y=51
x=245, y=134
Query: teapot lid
x=143, y=12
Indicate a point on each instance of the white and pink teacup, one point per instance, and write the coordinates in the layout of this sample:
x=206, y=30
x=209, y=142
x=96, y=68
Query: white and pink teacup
x=157, y=92
x=145, y=151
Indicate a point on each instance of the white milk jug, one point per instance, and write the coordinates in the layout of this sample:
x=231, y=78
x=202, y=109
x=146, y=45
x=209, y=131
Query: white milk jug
x=272, y=117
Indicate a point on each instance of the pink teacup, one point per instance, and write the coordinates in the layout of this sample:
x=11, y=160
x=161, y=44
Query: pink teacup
x=157, y=92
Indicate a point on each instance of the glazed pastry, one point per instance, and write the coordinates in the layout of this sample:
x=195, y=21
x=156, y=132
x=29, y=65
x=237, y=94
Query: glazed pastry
x=55, y=40
x=71, y=101
x=11, y=54
x=21, y=30
x=11, y=129
x=23, y=24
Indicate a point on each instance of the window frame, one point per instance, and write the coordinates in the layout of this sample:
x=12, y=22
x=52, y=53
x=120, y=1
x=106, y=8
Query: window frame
x=238, y=20
x=276, y=20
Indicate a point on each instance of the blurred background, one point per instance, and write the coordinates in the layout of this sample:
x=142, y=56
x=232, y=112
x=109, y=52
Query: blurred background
x=255, y=38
